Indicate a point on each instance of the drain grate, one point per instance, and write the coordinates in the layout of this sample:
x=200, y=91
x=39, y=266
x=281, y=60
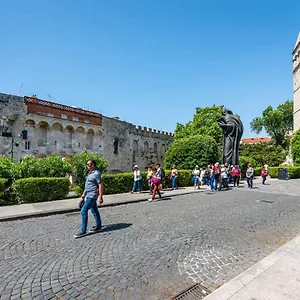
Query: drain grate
x=266, y=201
x=195, y=292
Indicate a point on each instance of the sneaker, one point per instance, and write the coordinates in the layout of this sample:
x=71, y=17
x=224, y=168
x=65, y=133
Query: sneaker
x=150, y=199
x=95, y=229
x=79, y=235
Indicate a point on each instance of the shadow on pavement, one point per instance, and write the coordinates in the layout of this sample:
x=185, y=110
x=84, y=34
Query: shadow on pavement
x=117, y=226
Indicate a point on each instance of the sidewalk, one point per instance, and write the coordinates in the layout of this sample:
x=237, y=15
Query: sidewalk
x=13, y=212
x=276, y=277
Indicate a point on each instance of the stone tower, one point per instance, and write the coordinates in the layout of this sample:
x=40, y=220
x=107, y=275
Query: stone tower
x=296, y=86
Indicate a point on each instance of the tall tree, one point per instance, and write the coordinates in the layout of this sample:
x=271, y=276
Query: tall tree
x=203, y=123
x=277, y=122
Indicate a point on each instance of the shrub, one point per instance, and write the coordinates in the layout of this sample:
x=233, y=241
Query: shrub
x=264, y=153
x=7, y=169
x=31, y=190
x=185, y=153
x=51, y=166
x=78, y=165
x=294, y=172
x=296, y=148
x=122, y=182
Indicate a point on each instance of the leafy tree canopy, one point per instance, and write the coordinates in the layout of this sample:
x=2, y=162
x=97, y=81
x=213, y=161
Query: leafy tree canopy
x=296, y=148
x=277, y=122
x=185, y=153
x=203, y=123
x=264, y=153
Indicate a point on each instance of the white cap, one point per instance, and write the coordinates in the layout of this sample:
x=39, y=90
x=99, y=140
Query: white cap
x=135, y=166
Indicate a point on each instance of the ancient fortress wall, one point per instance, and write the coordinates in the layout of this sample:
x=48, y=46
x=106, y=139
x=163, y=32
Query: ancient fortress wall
x=62, y=129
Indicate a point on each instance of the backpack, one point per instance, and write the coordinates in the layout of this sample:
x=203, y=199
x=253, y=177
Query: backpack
x=162, y=173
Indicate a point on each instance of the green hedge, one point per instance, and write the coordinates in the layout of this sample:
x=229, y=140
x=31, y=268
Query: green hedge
x=294, y=172
x=122, y=182
x=31, y=190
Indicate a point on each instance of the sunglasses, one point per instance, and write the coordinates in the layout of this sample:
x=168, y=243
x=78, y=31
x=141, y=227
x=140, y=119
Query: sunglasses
x=89, y=165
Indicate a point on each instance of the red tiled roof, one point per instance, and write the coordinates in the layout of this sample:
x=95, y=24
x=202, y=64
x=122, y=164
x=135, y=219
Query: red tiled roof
x=256, y=140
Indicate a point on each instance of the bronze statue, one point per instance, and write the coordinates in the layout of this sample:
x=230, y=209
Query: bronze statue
x=233, y=129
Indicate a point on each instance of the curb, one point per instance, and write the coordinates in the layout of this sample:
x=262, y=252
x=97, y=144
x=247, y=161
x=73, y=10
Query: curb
x=70, y=210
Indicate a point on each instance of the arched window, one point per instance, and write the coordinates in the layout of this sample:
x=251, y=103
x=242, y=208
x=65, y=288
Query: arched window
x=155, y=147
x=146, y=147
x=116, y=146
x=42, y=134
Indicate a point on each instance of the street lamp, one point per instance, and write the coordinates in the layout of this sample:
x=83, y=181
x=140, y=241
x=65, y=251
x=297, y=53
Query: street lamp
x=14, y=142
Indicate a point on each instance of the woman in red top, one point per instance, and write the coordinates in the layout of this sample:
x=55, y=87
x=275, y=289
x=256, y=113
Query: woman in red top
x=236, y=174
x=263, y=174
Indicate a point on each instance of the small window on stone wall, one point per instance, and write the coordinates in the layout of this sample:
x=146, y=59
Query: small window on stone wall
x=27, y=145
x=116, y=146
x=155, y=147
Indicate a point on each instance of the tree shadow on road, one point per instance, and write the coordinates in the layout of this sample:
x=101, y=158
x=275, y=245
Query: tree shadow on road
x=117, y=226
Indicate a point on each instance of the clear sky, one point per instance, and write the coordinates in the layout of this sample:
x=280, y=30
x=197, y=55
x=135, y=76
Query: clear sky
x=151, y=62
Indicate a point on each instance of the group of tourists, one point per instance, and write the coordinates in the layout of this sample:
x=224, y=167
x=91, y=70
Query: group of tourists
x=219, y=177
x=155, y=176
x=215, y=176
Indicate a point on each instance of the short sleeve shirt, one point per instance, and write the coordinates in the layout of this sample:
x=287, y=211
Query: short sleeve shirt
x=92, y=184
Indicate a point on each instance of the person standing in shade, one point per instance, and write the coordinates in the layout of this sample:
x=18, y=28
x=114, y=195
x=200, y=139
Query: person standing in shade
x=137, y=179
x=93, y=190
x=249, y=176
x=174, y=175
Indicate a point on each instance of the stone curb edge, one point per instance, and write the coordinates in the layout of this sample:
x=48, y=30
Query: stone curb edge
x=70, y=210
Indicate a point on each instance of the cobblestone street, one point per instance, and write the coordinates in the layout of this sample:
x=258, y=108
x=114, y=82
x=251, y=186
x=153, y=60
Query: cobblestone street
x=146, y=250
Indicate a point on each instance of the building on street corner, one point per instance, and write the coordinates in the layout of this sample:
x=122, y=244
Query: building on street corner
x=296, y=86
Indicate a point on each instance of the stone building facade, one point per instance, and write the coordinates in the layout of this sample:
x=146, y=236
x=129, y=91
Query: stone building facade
x=296, y=86
x=55, y=128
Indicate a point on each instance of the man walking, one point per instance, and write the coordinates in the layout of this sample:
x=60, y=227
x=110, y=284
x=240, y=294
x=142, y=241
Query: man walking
x=93, y=191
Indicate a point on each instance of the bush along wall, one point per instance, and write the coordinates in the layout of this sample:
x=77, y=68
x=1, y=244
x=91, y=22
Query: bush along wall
x=294, y=172
x=123, y=182
x=31, y=190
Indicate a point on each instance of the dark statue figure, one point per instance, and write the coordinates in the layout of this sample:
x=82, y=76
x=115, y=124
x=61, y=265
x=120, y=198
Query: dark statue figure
x=233, y=129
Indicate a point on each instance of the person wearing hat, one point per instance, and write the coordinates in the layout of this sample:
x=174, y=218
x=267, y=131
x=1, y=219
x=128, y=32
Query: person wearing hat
x=249, y=176
x=196, y=176
x=137, y=179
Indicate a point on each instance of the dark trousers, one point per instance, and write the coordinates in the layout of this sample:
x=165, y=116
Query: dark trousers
x=264, y=179
x=155, y=189
x=250, y=181
x=225, y=183
x=236, y=180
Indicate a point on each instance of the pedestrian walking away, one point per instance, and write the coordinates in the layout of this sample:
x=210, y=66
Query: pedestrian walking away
x=264, y=174
x=93, y=191
x=249, y=176
x=173, y=177
x=196, y=177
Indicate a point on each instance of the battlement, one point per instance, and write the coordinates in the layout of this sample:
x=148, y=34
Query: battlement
x=142, y=129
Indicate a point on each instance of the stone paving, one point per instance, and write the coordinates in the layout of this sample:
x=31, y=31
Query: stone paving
x=146, y=250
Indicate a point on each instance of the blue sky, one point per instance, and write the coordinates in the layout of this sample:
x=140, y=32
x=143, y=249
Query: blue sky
x=150, y=62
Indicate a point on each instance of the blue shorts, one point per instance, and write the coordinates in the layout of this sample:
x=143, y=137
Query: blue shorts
x=196, y=180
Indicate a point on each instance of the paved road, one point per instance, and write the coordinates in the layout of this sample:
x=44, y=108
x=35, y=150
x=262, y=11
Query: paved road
x=147, y=250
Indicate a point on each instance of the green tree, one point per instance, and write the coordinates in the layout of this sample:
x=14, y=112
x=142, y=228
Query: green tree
x=264, y=153
x=185, y=153
x=296, y=148
x=277, y=122
x=203, y=123
x=78, y=165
